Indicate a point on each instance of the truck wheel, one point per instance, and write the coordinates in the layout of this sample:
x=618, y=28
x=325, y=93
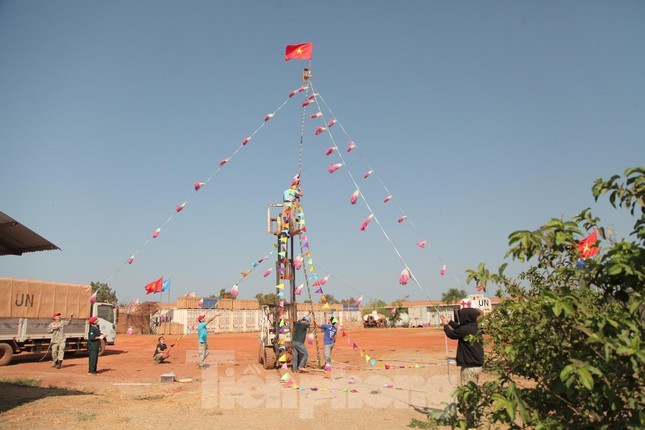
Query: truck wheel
x=102, y=347
x=269, y=358
x=6, y=353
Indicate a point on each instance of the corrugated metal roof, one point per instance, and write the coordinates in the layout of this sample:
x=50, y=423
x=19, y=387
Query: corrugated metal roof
x=16, y=239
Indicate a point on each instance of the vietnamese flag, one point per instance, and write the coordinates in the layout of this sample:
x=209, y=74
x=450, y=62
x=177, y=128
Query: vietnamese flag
x=155, y=286
x=299, y=52
x=587, y=246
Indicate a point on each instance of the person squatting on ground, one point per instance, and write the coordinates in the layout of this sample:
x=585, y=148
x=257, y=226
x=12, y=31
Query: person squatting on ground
x=160, y=351
x=329, y=340
x=300, y=353
x=94, y=339
x=470, y=353
x=202, y=338
x=57, y=329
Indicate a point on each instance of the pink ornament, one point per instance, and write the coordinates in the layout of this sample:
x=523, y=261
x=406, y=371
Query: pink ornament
x=330, y=150
x=180, y=207
x=268, y=117
x=307, y=103
x=198, y=185
x=303, y=88
x=366, y=222
x=224, y=161
x=387, y=199
x=156, y=233
x=405, y=277
x=358, y=301
x=401, y=219
x=93, y=297
x=443, y=270
x=351, y=145
x=299, y=289
x=367, y=174
x=334, y=167
x=292, y=93
x=315, y=115
x=130, y=260
x=245, y=141
x=319, y=130
x=267, y=272
x=312, y=96
x=421, y=244
x=234, y=290
x=332, y=122
x=354, y=197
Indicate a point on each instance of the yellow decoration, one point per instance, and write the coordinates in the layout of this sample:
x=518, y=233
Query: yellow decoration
x=283, y=357
x=280, y=286
x=326, y=306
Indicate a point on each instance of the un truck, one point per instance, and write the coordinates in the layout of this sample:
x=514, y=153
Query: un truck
x=26, y=309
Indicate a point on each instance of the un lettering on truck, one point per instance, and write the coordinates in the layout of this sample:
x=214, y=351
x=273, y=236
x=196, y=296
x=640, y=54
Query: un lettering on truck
x=22, y=298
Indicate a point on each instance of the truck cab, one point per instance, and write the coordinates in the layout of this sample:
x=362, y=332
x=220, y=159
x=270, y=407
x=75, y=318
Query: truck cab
x=107, y=314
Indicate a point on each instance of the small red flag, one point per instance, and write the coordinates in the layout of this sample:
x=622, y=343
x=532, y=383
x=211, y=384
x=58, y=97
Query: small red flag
x=587, y=246
x=154, y=286
x=299, y=52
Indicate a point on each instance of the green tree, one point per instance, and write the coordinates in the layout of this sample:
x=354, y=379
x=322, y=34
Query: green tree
x=378, y=305
x=266, y=299
x=453, y=295
x=567, y=352
x=105, y=293
x=330, y=299
x=223, y=294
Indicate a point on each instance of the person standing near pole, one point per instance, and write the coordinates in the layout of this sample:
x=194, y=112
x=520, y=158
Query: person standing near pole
x=299, y=350
x=57, y=330
x=202, y=338
x=329, y=340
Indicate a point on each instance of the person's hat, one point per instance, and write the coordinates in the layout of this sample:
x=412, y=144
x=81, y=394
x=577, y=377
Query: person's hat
x=201, y=318
x=306, y=318
x=57, y=314
x=93, y=320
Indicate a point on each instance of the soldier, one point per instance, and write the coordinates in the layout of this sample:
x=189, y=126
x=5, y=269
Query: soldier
x=94, y=338
x=57, y=329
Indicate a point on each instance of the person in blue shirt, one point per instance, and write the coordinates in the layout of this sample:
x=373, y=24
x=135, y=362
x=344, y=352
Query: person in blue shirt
x=329, y=340
x=202, y=338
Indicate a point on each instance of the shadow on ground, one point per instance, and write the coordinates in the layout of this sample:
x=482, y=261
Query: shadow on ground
x=13, y=395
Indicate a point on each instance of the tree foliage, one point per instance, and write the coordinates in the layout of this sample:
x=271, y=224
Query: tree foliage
x=566, y=352
x=105, y=293
x=266, y=299
x=453, y=295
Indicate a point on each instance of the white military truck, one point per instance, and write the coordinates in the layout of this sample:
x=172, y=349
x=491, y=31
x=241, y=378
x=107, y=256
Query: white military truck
x=26, y=309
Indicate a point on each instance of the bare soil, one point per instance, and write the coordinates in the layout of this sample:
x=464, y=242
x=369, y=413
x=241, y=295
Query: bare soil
x=234, y=391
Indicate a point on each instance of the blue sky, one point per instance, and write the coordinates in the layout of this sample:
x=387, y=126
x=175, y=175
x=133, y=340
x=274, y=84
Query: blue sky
x=480, y=118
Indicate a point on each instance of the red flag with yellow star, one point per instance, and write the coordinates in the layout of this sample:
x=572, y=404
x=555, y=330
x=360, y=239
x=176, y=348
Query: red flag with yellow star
x=299, y=52
x=587, y=246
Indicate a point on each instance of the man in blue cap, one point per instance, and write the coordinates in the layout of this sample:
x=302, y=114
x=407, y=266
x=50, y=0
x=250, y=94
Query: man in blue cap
x=299, y=350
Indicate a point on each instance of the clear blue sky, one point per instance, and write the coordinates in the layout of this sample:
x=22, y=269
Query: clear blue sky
x=481, y=118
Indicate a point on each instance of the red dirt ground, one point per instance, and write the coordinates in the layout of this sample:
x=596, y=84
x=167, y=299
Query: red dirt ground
x=235, y=390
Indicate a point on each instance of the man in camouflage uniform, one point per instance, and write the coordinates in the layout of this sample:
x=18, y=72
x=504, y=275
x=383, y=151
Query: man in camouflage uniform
x=57, y=329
